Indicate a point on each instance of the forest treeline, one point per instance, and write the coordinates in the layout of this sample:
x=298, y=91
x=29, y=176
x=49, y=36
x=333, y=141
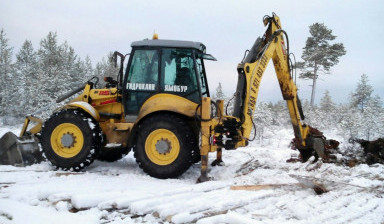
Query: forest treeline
x=32, y=79
x=362, y=116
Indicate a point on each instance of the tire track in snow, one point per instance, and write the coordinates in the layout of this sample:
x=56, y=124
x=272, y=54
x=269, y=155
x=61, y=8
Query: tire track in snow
x=227, y=204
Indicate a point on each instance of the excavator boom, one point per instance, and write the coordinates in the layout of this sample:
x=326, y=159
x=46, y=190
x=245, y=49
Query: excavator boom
x=270, y=47
x=234, y=131
x=273, y=46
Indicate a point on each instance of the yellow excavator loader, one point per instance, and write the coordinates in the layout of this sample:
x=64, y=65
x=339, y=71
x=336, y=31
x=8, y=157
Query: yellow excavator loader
x=161, y=108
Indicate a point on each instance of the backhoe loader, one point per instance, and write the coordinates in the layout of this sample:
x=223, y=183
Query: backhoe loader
x=161, y=109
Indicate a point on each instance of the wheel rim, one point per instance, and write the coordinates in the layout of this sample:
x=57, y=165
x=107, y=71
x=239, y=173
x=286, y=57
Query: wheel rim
x=162, y=147
x=67, y=140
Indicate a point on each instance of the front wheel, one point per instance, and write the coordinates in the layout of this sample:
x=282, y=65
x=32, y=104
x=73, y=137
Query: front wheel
x=71, y=140
x=164, y=146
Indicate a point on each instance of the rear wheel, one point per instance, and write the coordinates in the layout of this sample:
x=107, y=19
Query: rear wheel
x=71, y=140
x=164, y=146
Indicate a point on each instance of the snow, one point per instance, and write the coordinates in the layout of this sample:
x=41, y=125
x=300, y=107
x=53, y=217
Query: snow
x=121, y=192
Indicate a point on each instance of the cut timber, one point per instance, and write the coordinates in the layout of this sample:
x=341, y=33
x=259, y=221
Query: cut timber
x=258, y=187
x=318, y=188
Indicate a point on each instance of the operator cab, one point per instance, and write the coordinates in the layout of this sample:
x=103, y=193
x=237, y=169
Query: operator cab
x=164, y=66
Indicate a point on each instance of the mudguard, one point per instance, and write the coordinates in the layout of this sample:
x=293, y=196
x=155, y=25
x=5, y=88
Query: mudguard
x=86, y=107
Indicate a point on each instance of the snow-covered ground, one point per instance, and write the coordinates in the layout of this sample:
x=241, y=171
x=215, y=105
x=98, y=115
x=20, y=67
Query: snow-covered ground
x=121, y=192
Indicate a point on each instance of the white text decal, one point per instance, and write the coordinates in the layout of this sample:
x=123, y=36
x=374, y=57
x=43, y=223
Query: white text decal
x=176, y=88
x=140, y=86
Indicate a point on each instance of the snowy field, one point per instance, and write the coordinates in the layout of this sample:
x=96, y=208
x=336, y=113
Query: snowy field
x=121, y=192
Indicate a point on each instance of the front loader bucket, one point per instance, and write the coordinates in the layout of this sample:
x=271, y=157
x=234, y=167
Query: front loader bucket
x=28, y=145
x=21, y=151
x=9, y=153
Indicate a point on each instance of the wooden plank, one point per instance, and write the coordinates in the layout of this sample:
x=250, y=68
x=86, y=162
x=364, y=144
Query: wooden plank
x=258, y=187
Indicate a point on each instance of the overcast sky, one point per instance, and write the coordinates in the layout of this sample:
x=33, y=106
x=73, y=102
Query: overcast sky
x=227, y=28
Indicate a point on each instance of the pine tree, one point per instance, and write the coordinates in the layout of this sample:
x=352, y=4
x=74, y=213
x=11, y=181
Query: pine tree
x=326, y=103
x=327, y=111
x=349, y=122
x=319, y=55
x=88, y=69
x=5, y=54
x=365, y=115
x=263, y=118
x=60, y=67
x=219, y=92
x=5, y=71
x=362, y=93
x=372, y=122
x=280, y=113
x=51, y=67
x=106, y=68
x=26, y=67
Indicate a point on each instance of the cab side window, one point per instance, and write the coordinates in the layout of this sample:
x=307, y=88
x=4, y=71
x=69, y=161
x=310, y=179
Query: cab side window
x=179, y=76
x=142, y=78
x=144, y=67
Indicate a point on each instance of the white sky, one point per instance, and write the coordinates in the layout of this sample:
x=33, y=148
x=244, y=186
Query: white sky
x=227, y=28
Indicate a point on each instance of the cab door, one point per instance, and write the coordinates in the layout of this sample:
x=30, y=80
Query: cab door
x=142, y=80
x=178, y=71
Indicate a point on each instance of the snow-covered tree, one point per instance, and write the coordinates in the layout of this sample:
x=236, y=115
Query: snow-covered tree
x=106, y=68
x=5, y=54
x=372, y=124
x=280, y=113
x=326, y=103
x=263, y=119
x=51, y=67
x=61, y=69
x=5, y=70
x=219, y=92
x=362, y=93
x=364, y=117
x=26, y=71
x=327, y=111
x=88, y=69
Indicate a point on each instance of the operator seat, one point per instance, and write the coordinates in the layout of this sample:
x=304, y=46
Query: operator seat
x=183, y=78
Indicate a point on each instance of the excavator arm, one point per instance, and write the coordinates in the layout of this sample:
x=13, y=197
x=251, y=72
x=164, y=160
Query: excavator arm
x=271, y=46
x=234, y=131
x=231, y=132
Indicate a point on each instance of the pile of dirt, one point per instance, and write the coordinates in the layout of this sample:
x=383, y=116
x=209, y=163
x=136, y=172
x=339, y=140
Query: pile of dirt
x=373, y=151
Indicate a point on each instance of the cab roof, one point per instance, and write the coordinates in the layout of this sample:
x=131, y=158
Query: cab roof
x=169, y=43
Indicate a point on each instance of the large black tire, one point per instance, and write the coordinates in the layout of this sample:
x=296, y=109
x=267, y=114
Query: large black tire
x=164, y=146
x=112, y=154
x=71, y=139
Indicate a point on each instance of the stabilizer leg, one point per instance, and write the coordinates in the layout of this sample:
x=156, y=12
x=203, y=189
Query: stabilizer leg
x=205, y=125
x=218, y=161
